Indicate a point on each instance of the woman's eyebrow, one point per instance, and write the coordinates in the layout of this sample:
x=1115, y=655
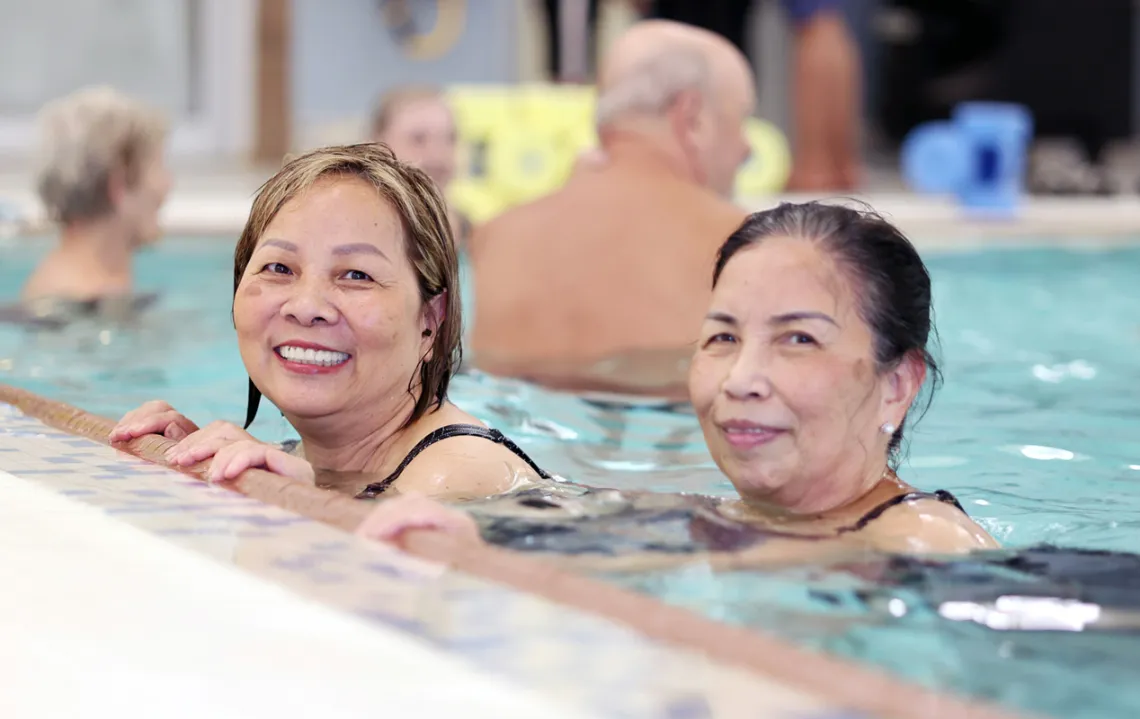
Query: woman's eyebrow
x=788, y=317
x=359, y=248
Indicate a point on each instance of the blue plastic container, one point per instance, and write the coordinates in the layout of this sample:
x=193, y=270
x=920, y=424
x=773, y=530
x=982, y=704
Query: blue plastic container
x=979, y=156
x=999, y=135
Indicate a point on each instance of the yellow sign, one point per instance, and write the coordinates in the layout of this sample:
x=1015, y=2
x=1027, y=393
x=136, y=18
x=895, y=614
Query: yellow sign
x=519, y=142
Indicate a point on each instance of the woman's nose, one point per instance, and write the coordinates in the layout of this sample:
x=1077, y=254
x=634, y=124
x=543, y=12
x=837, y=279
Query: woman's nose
x=310, y=304
x=748, y=378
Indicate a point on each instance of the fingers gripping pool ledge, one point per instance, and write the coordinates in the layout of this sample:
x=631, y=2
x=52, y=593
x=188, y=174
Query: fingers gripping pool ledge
x=317, y=504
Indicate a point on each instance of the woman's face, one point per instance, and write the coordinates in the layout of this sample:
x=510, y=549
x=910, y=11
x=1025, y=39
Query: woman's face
x=422, y=133
x=785, y=383
x=328, y=312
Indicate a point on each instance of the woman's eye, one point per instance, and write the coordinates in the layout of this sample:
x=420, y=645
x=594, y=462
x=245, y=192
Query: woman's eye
x=799, y=338
x=357, y=275
x=276, y=268
x=720, y=338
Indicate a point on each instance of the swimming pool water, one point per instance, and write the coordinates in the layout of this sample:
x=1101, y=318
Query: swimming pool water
x=1037, y=427
x=1037, y=430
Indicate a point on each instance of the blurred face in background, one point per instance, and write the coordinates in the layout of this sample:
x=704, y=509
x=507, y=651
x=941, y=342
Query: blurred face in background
x=139, y=199
x=421, y=131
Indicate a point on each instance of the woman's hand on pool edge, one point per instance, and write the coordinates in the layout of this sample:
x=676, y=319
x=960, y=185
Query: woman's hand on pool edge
x=392, y=517
x=233, y=459
x=155, y=417
x=206, y=443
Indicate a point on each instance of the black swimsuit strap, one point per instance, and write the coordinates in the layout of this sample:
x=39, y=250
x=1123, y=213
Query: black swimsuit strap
x=451, y=430
x=941, y=495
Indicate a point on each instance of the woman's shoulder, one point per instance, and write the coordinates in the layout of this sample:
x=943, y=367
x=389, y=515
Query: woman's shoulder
x=456, y=455
x=923, y=522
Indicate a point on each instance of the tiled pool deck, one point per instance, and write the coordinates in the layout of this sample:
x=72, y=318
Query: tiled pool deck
x=593, y=651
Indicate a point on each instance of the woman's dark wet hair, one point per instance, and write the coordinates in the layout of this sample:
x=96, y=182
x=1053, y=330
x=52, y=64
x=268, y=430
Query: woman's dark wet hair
x=895, y=298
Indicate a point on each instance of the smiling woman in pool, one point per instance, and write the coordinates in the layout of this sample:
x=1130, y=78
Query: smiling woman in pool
x=347, y=313
x=808, y=364
x=806, y=369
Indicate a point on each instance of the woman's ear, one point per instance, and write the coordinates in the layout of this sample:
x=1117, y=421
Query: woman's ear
x=434, y=313
x=117, y=186
x=901, y=385
x=685, y=117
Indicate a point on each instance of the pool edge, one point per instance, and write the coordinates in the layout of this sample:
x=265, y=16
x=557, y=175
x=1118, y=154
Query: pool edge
x=834, y=680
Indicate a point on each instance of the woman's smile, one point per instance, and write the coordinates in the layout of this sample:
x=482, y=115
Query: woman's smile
x=310, y=358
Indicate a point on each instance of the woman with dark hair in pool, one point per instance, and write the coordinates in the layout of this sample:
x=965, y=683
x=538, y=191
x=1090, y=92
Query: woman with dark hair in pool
x=806, y=369
x=347, y=310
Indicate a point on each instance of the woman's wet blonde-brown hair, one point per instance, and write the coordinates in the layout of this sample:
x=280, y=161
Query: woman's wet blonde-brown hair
x=427, y=242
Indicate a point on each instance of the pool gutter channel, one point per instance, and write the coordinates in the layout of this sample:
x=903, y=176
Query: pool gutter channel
x=840, y=682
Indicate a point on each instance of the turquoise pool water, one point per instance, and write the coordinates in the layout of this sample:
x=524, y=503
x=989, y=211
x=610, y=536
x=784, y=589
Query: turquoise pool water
x=1037, y=430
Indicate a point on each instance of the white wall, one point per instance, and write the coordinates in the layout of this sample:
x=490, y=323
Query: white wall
x=191, y=58
x=346, y=53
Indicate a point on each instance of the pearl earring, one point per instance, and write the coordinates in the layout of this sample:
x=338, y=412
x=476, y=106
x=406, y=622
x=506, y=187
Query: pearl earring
x=888, y=428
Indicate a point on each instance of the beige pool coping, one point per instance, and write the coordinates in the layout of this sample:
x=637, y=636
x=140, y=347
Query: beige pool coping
x=794, y=679
x=217, y=204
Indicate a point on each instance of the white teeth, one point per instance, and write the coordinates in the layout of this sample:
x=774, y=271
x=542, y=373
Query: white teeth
x=323, y=358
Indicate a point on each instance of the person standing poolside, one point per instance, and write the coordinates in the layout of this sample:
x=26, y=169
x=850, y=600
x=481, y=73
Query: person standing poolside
x=826, y=82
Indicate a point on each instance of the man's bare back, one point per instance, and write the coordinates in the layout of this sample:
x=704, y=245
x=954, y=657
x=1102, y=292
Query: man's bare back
x=616, y=265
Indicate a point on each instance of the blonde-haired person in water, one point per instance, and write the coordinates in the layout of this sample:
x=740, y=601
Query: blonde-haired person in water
x=103, y=178
x=418, y=125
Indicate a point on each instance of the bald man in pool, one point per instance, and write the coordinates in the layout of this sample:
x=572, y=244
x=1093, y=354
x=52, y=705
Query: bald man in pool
x=602, y=285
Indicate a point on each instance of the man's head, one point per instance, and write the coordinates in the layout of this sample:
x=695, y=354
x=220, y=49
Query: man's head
x=683, y=86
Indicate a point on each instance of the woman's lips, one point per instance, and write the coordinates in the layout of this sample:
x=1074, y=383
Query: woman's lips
x=743, y=434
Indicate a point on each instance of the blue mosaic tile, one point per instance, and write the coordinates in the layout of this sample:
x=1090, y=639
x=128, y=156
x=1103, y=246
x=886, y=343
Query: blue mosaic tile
x=688, y=707
x=394, y=572
x=79, y=442
x=396, y=621
x=268, y=521
x=299, y=563
x=119, y=469
x=193, y=531
x=146, y=508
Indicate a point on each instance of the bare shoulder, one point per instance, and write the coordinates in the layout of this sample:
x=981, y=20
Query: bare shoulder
x=927, y=526
x=465, y=468
x=510, y=227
